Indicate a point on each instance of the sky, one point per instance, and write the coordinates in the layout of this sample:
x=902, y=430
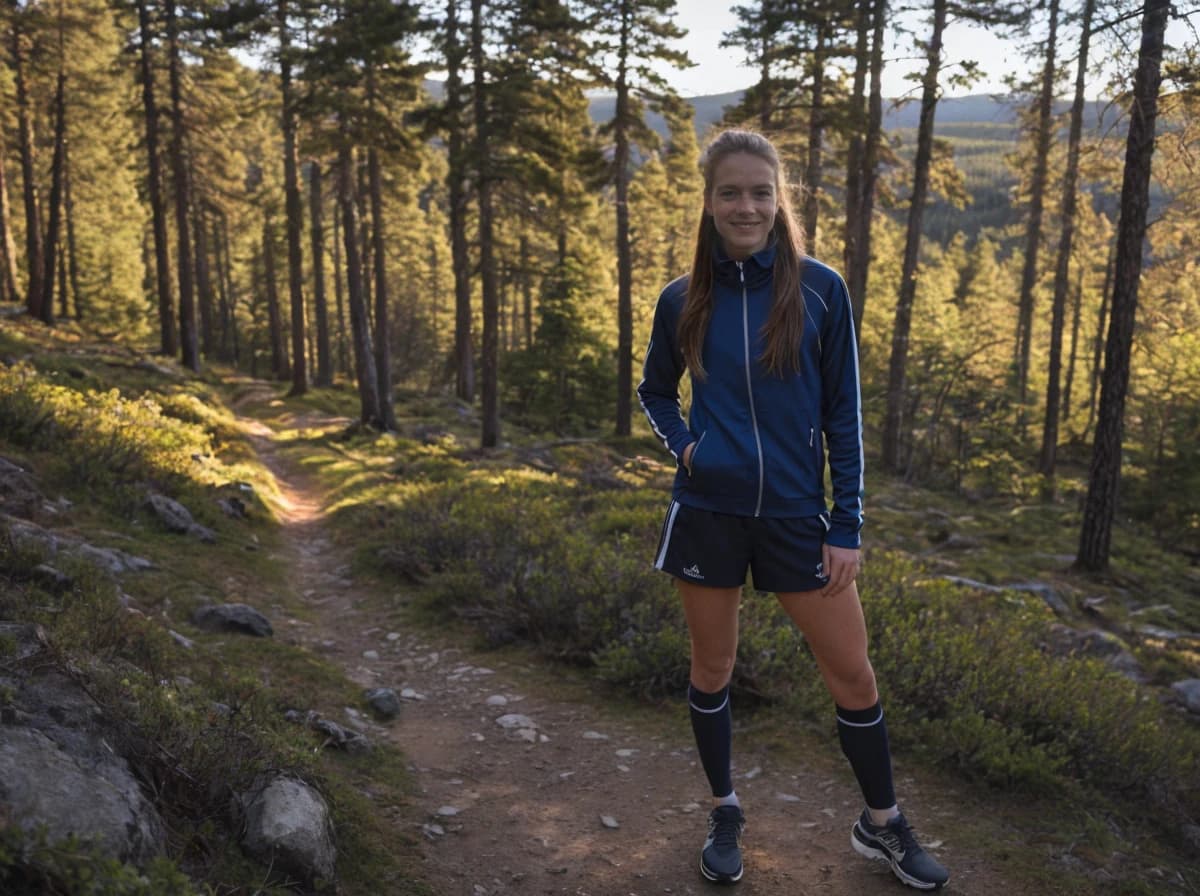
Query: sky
x=720, y=70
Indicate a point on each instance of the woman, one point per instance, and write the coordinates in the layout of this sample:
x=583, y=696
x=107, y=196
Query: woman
x=767, y=337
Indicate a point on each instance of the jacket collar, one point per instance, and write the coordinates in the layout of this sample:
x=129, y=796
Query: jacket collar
x=757, y=268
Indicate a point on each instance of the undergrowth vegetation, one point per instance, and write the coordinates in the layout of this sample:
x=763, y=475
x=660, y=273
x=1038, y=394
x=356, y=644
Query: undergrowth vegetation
x=198, y=724
x=552, y=547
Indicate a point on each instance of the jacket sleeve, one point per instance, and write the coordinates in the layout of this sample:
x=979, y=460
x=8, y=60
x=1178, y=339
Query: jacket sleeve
x=658, y=391
x=841, y=411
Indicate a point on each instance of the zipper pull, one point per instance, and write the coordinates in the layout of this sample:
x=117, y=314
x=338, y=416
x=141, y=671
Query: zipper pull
x=741, y=272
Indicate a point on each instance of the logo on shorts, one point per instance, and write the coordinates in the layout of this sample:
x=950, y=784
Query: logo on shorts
x=820, y=571
x=693, y=571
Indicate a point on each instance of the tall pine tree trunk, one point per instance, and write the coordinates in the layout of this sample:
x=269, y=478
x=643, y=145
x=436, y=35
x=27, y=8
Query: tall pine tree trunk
x=1033, y=227
x=8, y=248
x=316, y=216
x=816, y=132
x=624, y=254
x=204, y=290
x=72, y=257
x=34, y=262
x=894, y=423
x=364, y=358
x=293, y=208
x=54, y=213
x=383, y=330
x=858, y=266
x=1076, y=315
x=279, y=363
x=168, y=333
x=1100, y=506
x=224, y=287
x=464, y=352
x=1099, y=340
x=179, y=175
x=343, y=353
x=1062, y=268
x=490, y=433
x=858, y=127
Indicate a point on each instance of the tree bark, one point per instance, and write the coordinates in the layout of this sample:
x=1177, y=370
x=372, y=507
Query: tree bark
x=204, y=290
x=1033, y=227
x=897, y=372
x=343, y=353
x=316, y=216
x=279, y=361
x=1076, y=320
x=187, y=303
x=72, y=258
x=54, y=219
x=168, y=334
x=816, y=132
x=490, y=433
x=293, y=208
x=364, y=358
x=34, y=262
x=224, y=287
x=1104, y=476
x=1101, y=335
x=624, y=252
x=1062, y=267
x=8, y=249
x=858, y=269
x=858, y=127
x=464, y=353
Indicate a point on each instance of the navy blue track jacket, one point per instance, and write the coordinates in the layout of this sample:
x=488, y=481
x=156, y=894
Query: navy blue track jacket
x=759, y=445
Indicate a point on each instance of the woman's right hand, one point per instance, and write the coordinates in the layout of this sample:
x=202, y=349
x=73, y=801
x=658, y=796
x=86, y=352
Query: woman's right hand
x=687, y=456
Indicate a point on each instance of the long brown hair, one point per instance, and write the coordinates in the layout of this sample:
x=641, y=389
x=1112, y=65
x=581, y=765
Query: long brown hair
x=785, y=323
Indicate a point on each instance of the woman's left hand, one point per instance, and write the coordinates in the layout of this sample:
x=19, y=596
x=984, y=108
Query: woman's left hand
x=841, y=565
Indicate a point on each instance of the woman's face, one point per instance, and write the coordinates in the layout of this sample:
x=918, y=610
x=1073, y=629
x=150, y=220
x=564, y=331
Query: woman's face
x=743, y=203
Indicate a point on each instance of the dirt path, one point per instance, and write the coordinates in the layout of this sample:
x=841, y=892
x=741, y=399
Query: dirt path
x=521, y=810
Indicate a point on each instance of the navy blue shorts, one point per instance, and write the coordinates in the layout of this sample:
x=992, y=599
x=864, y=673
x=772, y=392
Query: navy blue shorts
x=717, y=549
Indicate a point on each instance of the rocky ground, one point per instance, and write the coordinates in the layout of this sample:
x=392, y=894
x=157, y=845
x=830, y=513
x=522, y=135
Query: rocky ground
x=528, y=784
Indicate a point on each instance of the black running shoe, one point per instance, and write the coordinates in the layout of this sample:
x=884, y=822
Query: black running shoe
x=895, y=843
x=721, y=858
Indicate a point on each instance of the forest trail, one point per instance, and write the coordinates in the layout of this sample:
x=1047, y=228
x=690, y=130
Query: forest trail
x=501, y=811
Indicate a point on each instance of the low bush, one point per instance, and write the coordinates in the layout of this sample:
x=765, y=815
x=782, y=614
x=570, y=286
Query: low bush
x=546, y=559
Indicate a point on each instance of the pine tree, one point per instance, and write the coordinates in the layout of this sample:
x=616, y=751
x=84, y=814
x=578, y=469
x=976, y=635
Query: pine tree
x=632, y=35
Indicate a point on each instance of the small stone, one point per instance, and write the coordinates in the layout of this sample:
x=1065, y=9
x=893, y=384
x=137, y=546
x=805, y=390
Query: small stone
x=543, y=739
x=830, y=812
x=497, y=700
x=689, y=808
x=787, y=797
x=625, y=754
x=393, y=636
x=384, y=701
x=448, y=811
x=527, y=734
x=623, y=768
x=515, y=720
x=482, y=671
x=433, y=830
x=410, y=694
x=753, y=773
x=594, y=735
x=185, y=643
x=477, y=737
x=609, y=822
x=370, y=654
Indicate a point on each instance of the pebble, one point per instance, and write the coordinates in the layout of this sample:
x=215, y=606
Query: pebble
x=433, y=830
x=448, y=811
x=527, y=734
x=787, y=797
x=515, y=720
x=393, y=636
x=370, y=654
x=609, y=822
x=689, y=808
x=753, y=773
x=497, y=700
x=410, y=694
x=477, y=737
x=594, y=735
x=625, y=754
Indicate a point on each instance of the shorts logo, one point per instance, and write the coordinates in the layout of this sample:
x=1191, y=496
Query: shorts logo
x=693, y=571
x=820, y=571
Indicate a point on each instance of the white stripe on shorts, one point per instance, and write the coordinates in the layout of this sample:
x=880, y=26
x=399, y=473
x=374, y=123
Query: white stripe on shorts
x=666, y=537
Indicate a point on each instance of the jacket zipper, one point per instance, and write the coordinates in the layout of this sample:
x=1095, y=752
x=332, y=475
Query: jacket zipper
x=749, y=387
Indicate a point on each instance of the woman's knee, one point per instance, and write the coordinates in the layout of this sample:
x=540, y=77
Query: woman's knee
x=711, y=673
x=854, y=688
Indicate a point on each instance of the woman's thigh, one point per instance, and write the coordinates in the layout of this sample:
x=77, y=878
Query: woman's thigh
x=836, y=632
x=712, y=618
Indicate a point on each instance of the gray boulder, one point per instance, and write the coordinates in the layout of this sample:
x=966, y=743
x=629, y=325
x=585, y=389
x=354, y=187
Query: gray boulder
x=98, y=800
x=177, y=518
x=238, y=618
x=384, y=701
x=287, y=828
x=1188, y=691
x=18, y=490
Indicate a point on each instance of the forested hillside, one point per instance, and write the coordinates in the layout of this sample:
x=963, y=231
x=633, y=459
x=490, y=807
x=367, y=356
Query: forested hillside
x=450, y=222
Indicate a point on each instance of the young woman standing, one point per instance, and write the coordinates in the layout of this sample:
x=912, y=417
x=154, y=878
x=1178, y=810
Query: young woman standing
x=767, y=337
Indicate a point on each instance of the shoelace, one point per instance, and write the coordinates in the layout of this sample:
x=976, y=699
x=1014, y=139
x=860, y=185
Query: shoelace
x=725, y=831
x=898, y=837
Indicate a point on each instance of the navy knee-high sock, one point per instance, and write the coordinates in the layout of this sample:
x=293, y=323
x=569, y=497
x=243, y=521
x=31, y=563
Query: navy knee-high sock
x=712, y=723
x=864, y=738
